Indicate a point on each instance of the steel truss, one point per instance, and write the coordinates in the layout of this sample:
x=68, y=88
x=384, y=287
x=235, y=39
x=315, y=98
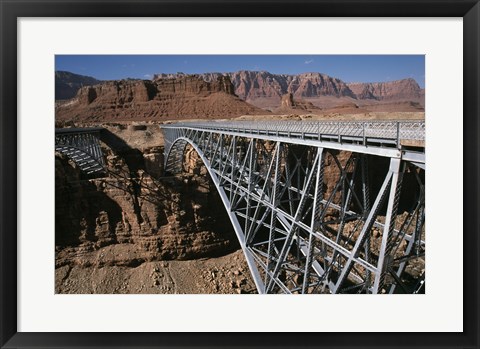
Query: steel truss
x=300, y=235
x=82, y=145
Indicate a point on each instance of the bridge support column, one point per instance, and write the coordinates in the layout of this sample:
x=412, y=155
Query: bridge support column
x=384, y=258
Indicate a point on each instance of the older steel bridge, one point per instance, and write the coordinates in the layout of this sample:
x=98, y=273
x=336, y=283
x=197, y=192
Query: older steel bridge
x=318, y=207
x=82, y=145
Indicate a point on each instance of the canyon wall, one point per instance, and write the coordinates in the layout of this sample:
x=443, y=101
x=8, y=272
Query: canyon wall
x=131, y=215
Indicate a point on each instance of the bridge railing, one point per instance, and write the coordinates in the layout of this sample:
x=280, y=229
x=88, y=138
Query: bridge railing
x=363, y=132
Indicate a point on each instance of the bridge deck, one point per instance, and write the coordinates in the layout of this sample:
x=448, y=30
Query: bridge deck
x=387, y=132
x=384, y=138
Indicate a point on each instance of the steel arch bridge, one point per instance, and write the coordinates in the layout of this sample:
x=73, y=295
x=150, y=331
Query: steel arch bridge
x=82, y=145
x=318, y=207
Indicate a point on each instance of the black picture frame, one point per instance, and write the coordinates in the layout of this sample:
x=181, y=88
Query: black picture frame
x=11, y=10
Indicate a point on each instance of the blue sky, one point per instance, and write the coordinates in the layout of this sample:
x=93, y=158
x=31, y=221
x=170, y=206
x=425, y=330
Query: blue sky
x=349, y=68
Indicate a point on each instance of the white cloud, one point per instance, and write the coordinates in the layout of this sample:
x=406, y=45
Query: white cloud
x=148, y=76
x=309, y=61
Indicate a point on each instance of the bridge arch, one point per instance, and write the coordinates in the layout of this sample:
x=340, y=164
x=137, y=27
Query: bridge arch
x=283, y=218
x=174, y=164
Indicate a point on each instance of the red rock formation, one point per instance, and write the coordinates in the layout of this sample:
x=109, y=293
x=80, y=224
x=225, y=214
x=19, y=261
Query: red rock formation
x=264, y=89
x=168, y=98
x=252, y=85
x=290, y=105
x=223, y=95
x=316, y=85
x=153, y=220
x=406, y=89
x=287, y=101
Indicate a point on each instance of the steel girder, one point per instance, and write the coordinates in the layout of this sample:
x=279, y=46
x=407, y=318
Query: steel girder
x=311, y=219
x=83, y=147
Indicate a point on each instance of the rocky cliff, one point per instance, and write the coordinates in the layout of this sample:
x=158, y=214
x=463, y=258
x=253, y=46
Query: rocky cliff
x=260, y=87
x=406, y=89
x=265, y=89
x=133, y=217
x=291, y=105
x=170, y=98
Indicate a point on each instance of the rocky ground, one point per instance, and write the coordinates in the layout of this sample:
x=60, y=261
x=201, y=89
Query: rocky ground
x=223, y=275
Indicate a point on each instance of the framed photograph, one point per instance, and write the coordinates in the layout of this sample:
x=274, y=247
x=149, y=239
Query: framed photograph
x=239, y=174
